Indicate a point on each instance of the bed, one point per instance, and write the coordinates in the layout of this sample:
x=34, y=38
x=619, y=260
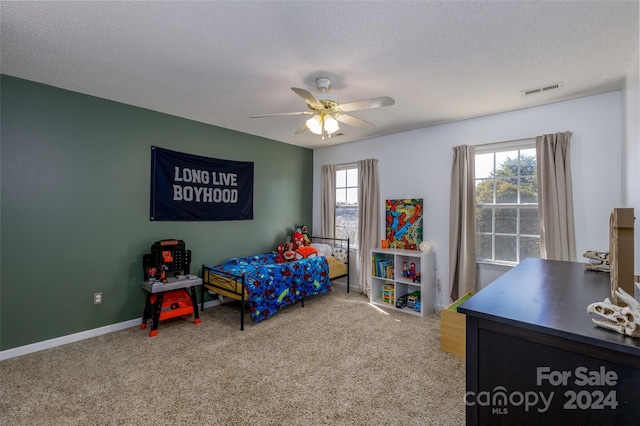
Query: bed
x=267, y=286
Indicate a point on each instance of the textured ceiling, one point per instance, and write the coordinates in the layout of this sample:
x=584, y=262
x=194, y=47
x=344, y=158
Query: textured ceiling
x=224, y=61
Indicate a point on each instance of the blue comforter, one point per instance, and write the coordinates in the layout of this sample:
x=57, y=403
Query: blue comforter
x=271, y=286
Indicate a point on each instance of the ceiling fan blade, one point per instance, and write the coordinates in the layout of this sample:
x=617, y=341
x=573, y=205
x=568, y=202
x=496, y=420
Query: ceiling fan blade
x=367, y=104
x=284, y=113
x=353, y=121
x=308, y=96
x=302, y=129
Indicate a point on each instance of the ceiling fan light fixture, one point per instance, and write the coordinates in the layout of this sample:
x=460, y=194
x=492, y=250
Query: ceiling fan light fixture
x=330, y=124
x=323, y=124
x=315, y=124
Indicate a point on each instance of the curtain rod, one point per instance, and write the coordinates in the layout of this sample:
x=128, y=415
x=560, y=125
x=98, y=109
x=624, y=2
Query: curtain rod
x=513, y=142
x=346, y=165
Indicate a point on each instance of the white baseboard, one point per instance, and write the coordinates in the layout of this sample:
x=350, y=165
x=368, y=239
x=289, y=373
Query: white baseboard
x=75, y=337
x=338, y=283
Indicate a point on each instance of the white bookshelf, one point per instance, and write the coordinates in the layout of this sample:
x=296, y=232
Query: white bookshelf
x=388, y=287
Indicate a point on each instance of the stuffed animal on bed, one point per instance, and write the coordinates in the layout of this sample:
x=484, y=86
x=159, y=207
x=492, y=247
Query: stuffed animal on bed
x=297, y=239
x=285, y=252
x=306, y=252
x=305, y=237
x=289, y=252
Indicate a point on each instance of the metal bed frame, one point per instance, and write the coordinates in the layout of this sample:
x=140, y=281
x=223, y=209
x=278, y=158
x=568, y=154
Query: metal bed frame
x=234, y=285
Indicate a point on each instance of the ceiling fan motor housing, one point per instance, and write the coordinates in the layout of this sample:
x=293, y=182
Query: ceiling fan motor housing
x=326, y=98
x=329, y=101
x=323, y=83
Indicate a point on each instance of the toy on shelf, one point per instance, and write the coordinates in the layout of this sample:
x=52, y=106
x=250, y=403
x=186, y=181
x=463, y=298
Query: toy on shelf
x=401, y=302
x=405, y=270
x=388, y=294
x=413, y=298
x=412, y=272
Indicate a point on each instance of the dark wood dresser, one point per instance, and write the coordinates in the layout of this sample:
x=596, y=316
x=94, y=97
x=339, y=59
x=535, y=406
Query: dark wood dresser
x=535, y=356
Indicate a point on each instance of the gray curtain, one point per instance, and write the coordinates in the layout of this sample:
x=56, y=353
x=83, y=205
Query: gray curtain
x=368, y=218
x=328, y=201
x=555, y=197
x=462, y=223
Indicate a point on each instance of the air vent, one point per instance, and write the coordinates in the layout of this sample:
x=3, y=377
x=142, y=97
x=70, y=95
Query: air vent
x=531, y=91
x=541, y=89
x=551, y=87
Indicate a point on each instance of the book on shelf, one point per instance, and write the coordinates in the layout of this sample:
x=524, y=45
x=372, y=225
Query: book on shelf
x=381, y=266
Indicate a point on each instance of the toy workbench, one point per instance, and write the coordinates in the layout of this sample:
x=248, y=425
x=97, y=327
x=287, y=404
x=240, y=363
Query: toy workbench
x=169, y=286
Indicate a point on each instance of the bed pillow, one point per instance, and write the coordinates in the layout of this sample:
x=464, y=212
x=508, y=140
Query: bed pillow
x=323, y=249
x=340, y=254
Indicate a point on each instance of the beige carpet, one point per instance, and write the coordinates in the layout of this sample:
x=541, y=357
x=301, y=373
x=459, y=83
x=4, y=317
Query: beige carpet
x=337, y=361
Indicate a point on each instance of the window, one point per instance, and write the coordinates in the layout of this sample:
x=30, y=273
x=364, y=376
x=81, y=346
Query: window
x=347, y=203
x=507, y=203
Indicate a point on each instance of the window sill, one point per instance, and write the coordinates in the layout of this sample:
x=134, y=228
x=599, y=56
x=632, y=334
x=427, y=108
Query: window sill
x=488, y=264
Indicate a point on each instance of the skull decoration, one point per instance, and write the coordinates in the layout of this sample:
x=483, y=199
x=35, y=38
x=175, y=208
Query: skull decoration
x=624, y=320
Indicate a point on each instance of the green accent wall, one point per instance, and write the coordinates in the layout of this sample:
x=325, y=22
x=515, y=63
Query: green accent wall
x=75, y=206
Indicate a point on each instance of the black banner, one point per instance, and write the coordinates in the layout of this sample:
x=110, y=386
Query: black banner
x=187, y=187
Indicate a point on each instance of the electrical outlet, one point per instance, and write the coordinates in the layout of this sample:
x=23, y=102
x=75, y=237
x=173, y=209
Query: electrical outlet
x=97, y=298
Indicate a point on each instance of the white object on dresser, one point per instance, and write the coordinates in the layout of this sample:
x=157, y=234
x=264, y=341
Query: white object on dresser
x=392, y=273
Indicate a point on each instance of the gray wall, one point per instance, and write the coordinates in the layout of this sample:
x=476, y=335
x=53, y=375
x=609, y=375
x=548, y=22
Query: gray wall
x=75, y=206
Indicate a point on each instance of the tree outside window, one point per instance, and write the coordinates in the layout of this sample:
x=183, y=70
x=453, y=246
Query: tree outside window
x=507, y=206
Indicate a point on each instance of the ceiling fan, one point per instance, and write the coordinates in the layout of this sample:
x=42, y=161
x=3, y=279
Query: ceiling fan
x=328, y=113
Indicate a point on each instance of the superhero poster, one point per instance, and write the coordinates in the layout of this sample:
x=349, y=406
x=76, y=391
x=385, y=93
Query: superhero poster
x=404, y=223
